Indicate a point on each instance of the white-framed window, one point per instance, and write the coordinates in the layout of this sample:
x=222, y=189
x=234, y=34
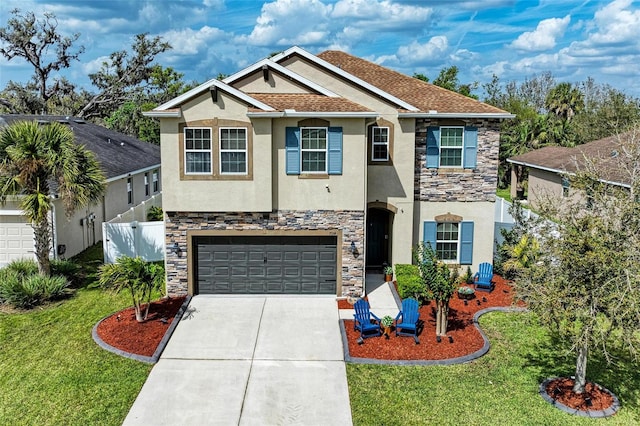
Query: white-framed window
x=233, y=151
x=146, y=184
x=447, y=241
x=129, y=191
x=314, y=149
x=154, y=178
x=197, y=152
x=451, y=146
x=380, y=144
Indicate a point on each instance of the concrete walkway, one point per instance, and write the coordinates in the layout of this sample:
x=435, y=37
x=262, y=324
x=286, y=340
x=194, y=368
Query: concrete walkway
x=249, y=361
x=380, y=297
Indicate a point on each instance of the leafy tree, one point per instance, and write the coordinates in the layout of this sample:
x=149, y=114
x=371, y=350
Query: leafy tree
x=585, y=282
x=421, y=77
x=448, y=79
x=32, y=39
x=119, y=79
x=136, y=276
x=564, y=101
x=439, y=281
x=33, y=158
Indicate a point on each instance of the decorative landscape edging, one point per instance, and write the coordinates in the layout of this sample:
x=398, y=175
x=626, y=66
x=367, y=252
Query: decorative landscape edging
x=143, y=358
x=449, y=361
x=591, y=413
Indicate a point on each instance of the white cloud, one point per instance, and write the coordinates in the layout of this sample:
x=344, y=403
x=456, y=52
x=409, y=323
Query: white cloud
x=375, y=14
x=465, y=55
x=544, y=36
x=434, y=49
x=616, y=25
x=189, y=42
x=286, y=22
x=213, y=3
x=94, y=65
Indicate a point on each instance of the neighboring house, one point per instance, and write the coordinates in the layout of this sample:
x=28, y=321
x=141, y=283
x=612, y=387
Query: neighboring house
x=550, y=168
x=132, y=170
x=300, y=172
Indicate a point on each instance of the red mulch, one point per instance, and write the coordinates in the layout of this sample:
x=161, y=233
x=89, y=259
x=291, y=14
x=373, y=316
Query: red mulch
x=466, y=338
x=122, y=331
x=561, y=390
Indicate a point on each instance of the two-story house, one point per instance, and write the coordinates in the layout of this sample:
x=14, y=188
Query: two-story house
x=299, y=172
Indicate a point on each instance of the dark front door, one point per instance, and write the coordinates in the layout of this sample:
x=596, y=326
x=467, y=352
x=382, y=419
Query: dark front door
x=378, y=237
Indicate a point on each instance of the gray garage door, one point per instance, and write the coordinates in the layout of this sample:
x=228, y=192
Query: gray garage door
x=265, y=264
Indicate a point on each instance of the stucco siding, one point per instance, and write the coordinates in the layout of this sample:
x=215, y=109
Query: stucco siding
x=276, y=83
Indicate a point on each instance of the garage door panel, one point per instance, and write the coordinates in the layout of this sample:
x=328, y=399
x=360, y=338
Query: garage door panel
x=266, y=264
x=16, y=239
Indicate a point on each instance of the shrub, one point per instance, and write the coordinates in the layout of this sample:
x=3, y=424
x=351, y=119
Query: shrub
x=23, y=267
x=22, y=288
x=410, y=284
x=155, y=214
x=67, y=268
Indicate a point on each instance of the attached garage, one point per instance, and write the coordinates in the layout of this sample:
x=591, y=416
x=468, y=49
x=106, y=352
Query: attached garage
x=16, y=238
x=278, y=264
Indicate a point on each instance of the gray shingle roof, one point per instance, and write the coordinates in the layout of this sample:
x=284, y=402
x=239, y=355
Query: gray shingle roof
x=117, y=153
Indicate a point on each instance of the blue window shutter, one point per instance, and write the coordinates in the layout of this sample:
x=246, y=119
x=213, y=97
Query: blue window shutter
x=470, y=147
x=292, y=151
x=335, y=151
x=466, y=243
x=433, y=150
x=430, y=229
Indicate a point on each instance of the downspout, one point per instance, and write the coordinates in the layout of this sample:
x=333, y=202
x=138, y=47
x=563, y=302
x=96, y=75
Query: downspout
x=54, y=228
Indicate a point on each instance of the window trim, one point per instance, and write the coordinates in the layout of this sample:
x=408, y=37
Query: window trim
x=245, y=150
x=186, y=150
x=461, y=148
x=374, y=143
x=325, y=150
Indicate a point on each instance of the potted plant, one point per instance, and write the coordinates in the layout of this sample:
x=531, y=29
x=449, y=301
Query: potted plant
x=388, y=274
x=465, y=292
x=385, y=325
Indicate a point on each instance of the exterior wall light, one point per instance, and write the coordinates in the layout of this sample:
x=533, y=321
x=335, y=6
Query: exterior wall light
x=175, y=249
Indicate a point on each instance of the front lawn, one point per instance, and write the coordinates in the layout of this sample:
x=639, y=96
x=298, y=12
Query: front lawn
x=499, y=388
x=54, y=373
x=51, y=370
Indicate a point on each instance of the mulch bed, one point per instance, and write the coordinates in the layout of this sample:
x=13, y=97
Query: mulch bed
x=593, y=397
x=462, y=337
x=121, y=330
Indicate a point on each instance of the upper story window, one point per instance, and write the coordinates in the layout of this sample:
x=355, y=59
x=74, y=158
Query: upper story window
x=233, y=151
x=380, y=144
x=451, y=146
x=154, y=177
x=314, y=150
x=129, y=191
x=197, y=151
x=146, y=184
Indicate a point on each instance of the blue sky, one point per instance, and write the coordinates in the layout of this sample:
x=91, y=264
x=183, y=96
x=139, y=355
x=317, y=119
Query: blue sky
x=512, y=39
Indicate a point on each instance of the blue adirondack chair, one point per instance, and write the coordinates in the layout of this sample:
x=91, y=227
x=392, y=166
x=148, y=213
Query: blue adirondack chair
x=365, y=321
x=482, y=278
x=406, y=321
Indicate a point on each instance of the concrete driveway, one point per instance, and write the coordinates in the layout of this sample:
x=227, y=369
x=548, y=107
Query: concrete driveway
x=249, y=361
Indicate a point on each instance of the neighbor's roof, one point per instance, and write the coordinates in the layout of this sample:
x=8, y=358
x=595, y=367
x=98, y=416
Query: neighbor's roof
x=424, y=96
x=603, y=153
x=117, y=153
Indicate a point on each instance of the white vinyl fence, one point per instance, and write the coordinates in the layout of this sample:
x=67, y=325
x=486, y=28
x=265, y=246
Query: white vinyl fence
x=504, y=220
x=139, y=212
x=144, y=239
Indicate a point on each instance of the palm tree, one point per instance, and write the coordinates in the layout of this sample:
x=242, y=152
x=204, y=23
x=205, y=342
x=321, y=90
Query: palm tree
x=38, y=161
x=565, y=101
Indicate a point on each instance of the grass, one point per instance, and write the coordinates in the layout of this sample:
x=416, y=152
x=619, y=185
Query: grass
x=53, y=372
x=499, y=388
x=504, y=193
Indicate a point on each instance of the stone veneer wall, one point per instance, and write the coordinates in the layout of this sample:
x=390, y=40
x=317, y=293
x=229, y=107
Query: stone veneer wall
x=479, y=184
x=350, y=223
